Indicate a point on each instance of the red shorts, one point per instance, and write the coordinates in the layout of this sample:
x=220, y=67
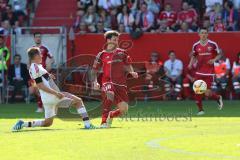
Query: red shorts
x=209, y=79
x=120, y=92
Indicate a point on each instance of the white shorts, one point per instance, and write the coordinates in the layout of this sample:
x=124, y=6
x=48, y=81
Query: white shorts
x=51, y=107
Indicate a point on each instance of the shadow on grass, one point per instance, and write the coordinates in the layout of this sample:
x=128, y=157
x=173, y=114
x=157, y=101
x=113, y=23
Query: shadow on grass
x=140, y=110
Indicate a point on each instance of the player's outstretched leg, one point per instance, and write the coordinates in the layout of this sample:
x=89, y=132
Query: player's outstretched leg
x=79, y=105
x=35, y=123
x=122, y=109
x=108, y=98
x=216, y=97
x=198, y=101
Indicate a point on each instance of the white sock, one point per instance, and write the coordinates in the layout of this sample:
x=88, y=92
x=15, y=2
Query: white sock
x=35, y=123
x=82, y=110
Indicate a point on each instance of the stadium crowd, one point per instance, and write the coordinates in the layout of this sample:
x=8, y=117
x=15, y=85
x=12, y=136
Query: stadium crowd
x=14, y=14
x=94, y=16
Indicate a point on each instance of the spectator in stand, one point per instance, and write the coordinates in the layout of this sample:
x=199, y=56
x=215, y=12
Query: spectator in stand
x=79, y=16
x=100, y=28
x=154, y=72
x=9, y=15
x=84, y=4
x=16, y=29
x=222, y=69
x=126, y=18
x=214, y=13
x=153, y=6
x=121, y=28
x=90, y=19
x=210, y=3
x=3, y=5
x=236, y=75
x=19, y=7
x=5, y=28
x=196, y=4
x=82, y=28
x=188, y=15
x=236, y=4
x=105, y=19
x=18, y=76
x=164, y=28
x=108, y=4
x=113, y=19
x=145, y=20
x=207, y=24
x=230, y=16
x=173, y=70
x=219, y=25
x=168, y=17
x=185, y=28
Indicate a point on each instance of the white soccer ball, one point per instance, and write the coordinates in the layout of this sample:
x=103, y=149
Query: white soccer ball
x=199, y=86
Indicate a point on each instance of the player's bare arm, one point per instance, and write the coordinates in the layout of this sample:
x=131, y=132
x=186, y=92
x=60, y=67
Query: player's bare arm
x=215, y=59
x=49, y=90
x=131, y=71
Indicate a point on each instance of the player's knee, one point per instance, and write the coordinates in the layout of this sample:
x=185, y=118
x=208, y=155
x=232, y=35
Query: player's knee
x=48, y=123
x=208, y=92
x=123, y=107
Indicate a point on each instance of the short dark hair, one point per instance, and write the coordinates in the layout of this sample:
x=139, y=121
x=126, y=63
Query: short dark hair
x=110, y=34
x=17, y=55
x=36, y=33
x=32, y=52
x=203, y=28
x=171, y=51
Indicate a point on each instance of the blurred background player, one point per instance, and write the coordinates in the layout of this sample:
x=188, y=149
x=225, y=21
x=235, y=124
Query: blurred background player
x=51, y=95
x=173, y=70
x=189, y=79
x=115, y=64
x=206, y=52
x=222, y=69
x=154, y=71
x=236, y=75
x=4, y=56
x=47, y=60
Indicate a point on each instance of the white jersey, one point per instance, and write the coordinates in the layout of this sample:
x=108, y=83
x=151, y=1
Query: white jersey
x=37, y=72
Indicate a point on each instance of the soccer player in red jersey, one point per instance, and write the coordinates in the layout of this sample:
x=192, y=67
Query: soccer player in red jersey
x=115, y=64
x=45, y=57
x=206, y=52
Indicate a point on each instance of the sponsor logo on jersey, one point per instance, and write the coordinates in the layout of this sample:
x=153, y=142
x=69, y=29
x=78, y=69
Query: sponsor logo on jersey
x=205, y=54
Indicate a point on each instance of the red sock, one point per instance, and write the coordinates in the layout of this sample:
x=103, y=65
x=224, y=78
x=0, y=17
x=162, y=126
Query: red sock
x=39, y=102
x=115, y=113
x=198, y=101
x=215, y=96
x=106, y=108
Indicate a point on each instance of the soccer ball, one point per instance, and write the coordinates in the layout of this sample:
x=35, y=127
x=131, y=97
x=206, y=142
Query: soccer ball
x=199, y=86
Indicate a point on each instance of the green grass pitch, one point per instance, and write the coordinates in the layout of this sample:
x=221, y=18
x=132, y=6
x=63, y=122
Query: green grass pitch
x=151, y=131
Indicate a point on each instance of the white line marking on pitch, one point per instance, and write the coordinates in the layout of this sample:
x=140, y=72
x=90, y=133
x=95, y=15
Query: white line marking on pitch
x=156, y=143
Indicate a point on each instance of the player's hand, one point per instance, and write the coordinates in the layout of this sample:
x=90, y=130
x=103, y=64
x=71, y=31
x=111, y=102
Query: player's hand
x=134, y=74
x=96, y=85
x=52, y=76
x=189, y=66
x=211, y=61
x=59, y=95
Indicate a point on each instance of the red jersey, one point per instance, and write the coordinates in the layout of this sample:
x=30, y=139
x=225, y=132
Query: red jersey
x=113, y=65
x=187, y=16
x=45, y=54
x=220, y=27
x=204, y=53
x=171, y=17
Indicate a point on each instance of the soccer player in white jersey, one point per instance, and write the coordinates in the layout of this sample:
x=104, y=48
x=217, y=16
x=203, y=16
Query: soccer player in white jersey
x=51, y=96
